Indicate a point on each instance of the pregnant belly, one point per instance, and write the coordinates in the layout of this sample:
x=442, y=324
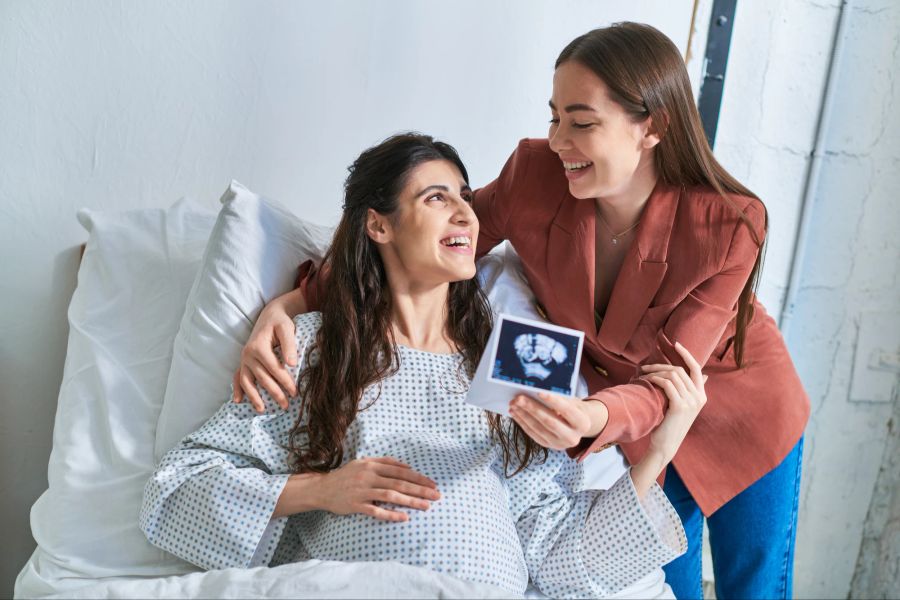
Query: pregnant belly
x=468, y=533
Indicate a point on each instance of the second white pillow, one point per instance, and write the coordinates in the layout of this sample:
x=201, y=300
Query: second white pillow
x=251, y=258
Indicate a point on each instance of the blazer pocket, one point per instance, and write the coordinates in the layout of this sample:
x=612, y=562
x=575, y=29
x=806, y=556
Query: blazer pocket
x=655, y=317
x=724, y=348
x=643, y=339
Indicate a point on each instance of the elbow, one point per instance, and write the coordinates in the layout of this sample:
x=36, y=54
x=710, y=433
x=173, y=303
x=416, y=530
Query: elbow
x=151, y=519
x=148, y=520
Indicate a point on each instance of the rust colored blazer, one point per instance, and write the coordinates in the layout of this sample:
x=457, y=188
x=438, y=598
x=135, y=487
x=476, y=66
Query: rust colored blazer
x=680, y=281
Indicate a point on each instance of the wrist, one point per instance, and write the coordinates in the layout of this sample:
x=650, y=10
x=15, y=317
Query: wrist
x=599, y=417
x=657, y=459
x=294, y=302
x=301, y=493
x=646, y=472
x=291, y=303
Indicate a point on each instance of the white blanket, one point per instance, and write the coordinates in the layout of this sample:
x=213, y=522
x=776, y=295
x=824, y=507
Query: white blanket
x=309, y=579
x=322, y=579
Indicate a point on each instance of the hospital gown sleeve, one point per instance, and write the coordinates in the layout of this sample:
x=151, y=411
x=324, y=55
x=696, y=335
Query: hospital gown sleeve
x=594, y=543
x=210, y=500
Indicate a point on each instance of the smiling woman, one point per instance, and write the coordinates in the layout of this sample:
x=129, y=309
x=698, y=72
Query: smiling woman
x=670, y=245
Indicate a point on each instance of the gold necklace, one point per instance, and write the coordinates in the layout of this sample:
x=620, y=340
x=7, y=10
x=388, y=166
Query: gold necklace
x=616, y=236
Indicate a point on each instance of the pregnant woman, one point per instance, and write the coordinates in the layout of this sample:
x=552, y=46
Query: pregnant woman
x=379, y=457
x=630, y=230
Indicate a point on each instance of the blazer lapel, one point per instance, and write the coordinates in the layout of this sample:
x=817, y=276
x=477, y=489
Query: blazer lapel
x=642, y=270
x=570, y=261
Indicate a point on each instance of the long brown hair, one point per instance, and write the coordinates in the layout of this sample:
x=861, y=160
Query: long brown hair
x=355, y=346
x=647, y=77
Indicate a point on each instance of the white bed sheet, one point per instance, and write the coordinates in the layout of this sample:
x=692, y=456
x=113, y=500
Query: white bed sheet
x=308, y=579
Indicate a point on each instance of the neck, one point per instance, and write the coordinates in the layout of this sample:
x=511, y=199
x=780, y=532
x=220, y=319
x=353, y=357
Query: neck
x=419, y=316
x=622, y=209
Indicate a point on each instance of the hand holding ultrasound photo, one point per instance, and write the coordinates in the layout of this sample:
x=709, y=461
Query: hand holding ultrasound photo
x=524, y=355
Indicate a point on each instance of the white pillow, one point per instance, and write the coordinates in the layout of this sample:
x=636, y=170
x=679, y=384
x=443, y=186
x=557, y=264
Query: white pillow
x=252, y=257
x=133, y=281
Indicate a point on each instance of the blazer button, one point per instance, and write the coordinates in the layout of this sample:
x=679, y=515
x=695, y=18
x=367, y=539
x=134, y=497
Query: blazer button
x=541, y=311
x=601, y=371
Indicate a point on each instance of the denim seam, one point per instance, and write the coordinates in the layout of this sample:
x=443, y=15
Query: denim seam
x=700, y=574
x=793, y=523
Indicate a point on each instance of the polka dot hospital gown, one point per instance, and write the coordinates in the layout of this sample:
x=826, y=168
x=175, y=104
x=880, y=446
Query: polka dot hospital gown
x=211, y=499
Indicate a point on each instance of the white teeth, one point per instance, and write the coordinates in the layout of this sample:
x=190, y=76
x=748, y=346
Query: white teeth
x=457, y=241
x=576, y=165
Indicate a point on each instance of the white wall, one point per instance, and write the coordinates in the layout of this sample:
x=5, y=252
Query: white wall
x=117, y=105
x=776, y=76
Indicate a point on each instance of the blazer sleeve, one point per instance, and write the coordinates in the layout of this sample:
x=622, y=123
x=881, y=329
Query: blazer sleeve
x=698, y=322
x=312, y=281
x=494, y=202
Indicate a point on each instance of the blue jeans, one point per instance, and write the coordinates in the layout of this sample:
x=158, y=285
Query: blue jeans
x=751, y=536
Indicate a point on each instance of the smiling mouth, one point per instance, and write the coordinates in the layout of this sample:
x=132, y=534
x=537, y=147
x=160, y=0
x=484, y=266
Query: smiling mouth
x=576, y=166
x=459, y=241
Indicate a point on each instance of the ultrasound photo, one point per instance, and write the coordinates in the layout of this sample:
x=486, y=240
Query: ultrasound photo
x=533, y=356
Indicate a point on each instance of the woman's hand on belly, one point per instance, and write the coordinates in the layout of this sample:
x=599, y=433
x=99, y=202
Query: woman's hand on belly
x=361, y=486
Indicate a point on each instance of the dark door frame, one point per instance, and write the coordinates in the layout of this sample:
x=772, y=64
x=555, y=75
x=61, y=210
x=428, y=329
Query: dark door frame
x=715, y=63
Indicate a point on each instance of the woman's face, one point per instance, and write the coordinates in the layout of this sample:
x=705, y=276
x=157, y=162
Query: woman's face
x=431, y=238
x=601, y=147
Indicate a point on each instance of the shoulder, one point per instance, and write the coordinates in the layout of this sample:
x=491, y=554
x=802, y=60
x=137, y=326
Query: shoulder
x=533, y=176
x=536, y=153
x=533, y=158
x=705, y=206
x=307, y=325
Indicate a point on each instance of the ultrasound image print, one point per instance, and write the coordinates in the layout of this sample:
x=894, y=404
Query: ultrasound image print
x=534, y=357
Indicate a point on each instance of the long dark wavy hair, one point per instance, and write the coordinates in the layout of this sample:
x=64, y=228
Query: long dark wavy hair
x=647, y=77
x=355, y=345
